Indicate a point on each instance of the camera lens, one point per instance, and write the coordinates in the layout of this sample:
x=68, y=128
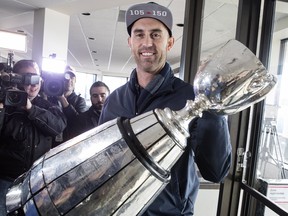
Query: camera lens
x=15, y=98
x=54, y=87
x=53, y=84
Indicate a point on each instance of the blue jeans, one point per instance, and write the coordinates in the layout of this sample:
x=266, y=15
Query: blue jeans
x=4, y=185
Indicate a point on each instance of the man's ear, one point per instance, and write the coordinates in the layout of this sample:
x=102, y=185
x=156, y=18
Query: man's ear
x=170, y=43
x=129, y=42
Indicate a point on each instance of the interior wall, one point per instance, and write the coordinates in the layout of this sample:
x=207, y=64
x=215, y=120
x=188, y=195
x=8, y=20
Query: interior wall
x=206, y=202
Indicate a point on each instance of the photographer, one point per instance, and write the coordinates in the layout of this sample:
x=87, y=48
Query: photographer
x=71, y=103
x=27, y=130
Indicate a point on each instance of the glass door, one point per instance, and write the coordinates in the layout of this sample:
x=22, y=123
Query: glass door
x=263, y=183
x=258, y=181
x=271, y=176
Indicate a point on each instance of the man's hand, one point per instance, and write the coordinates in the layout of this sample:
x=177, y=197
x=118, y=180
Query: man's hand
x=63, y=101
x=28, y=105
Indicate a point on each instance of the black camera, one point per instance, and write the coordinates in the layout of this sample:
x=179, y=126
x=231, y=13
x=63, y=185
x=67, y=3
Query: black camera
x=15, y=98
x=53, y=83
x=9, y=81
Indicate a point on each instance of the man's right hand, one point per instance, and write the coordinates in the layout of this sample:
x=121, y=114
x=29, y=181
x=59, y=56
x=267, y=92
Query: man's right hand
x=63, y=101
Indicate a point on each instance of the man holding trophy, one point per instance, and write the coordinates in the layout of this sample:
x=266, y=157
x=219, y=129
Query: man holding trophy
x=152, y=85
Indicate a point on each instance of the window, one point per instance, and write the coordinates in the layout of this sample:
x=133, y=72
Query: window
x=83, y=84
x=114, y=82
x=273, y=149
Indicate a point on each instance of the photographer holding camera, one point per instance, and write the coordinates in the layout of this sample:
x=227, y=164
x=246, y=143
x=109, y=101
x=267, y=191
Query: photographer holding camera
x=71, y=103
x=27, y=130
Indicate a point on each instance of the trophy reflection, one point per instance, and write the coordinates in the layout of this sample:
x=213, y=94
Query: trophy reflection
x=120, y=167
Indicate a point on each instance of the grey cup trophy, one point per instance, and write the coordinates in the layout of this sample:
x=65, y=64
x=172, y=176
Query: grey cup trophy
x=118, y=168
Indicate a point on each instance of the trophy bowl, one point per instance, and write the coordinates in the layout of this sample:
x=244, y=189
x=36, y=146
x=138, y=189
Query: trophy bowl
x=233, y=79
x=229, y=81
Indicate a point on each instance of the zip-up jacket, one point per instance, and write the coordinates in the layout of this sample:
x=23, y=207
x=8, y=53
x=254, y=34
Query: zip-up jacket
x=27, y=136
x=85, y=121
x=77, y=105
x=208, y=145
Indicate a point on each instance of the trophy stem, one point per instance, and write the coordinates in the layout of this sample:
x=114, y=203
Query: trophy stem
x=193, y=109
x=176, y=122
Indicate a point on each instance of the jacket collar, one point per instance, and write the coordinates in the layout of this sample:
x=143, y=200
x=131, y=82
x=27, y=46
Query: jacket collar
x=162, y=80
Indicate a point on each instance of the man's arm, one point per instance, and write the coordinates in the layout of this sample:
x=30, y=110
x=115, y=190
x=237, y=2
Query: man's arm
x=212, y=146
x=50, y=121
x=72, y=110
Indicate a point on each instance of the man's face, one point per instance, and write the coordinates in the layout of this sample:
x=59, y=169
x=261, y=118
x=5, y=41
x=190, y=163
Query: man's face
x=69, y=82
x=149, y=44
x=98, y=97
x=32, y=90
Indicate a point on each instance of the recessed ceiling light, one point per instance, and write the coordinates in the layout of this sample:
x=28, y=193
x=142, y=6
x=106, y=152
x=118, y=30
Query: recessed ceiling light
x=86, y=14
x=94, y=51
x=91, y=38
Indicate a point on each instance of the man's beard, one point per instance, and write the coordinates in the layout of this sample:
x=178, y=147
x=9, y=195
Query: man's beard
x=98, y=106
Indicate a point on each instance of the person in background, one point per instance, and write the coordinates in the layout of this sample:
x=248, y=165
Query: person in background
x=152, y=85
x=99, y=91
x=26, y=129
x=71, y=103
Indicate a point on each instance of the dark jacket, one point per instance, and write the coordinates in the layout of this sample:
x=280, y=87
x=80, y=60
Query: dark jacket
x=77, y=105
x=85, y=121
x=209, y=143
x=27, y=136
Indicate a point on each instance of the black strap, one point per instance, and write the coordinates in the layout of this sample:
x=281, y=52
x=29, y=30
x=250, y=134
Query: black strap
x=140, y=152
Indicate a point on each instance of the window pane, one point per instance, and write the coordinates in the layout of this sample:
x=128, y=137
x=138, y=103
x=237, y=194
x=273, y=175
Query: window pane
x=83, y=84
x=114, y=82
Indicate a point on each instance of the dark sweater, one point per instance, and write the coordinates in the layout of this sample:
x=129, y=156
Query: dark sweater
x=208, y=145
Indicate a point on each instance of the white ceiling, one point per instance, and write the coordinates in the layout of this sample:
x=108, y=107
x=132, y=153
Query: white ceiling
x=107, y=26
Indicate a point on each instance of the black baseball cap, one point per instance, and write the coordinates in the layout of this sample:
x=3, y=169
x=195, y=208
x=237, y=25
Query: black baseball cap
x=149, y=10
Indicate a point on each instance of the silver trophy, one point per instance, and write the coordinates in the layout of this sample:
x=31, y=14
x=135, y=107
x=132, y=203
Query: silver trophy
x=120, y=167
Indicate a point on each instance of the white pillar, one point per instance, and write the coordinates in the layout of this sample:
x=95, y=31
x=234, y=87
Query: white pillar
x=51, y=30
